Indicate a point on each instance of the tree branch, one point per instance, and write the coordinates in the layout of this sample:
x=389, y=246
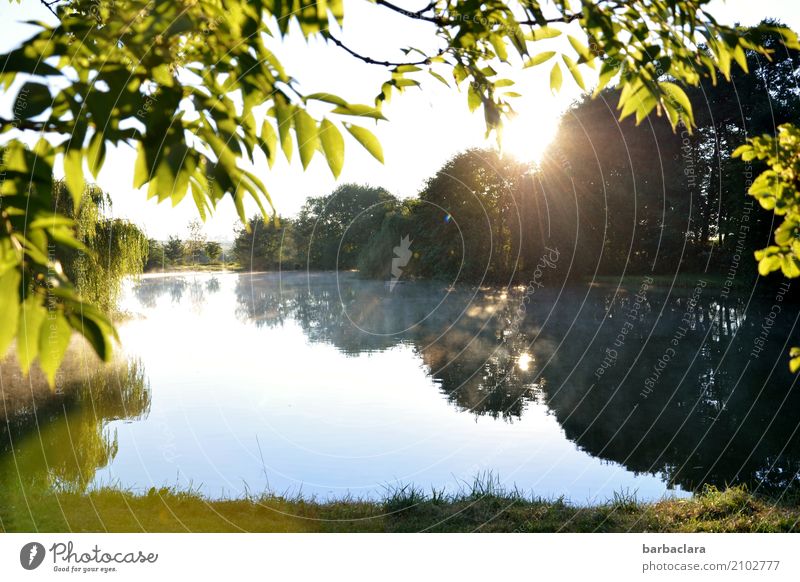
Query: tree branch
x=418, y=15
x=49, y=6
x=23, y=124
x=371, y=61
x=566, y=19
x=442, y=21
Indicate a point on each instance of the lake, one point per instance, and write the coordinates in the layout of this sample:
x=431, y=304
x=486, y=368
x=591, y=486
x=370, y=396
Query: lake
x=328, y=385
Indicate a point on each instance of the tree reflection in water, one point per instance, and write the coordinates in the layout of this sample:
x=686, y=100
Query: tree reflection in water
x=711, y=412
x=148, y=290
x=63, y=445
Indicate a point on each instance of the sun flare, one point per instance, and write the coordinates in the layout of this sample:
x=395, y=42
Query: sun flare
x=527, y=136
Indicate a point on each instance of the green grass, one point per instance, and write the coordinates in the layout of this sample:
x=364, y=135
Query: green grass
x=484, y=507
x=198, y=268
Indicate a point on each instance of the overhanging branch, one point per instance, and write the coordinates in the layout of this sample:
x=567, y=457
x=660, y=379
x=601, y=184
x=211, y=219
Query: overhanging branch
x=371, y=61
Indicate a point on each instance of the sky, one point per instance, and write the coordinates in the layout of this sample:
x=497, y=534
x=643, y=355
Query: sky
x=425, y=128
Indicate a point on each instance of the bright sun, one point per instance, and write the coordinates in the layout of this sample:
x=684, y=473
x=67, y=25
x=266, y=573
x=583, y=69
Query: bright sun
x=527, y=136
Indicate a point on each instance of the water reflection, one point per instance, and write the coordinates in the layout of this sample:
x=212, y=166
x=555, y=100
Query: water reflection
x=683, y=384
x=329, y=384
x=149, y=289
x=63, y=445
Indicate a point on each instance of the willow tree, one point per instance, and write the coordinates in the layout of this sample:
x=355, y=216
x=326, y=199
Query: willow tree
x=196, y=88
x=117, y=248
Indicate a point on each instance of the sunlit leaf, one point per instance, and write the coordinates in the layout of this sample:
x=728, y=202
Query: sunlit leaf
x=556, y=78
x=73, y=173
x=360, y=111
x=573, y=69
x=9, y=308
x=539, y=58
x=269, y=141
x=333, y=146
x=31, y=315
x=367, y=139
x=96, y=153
x=54, y=339
x=545, y=32
x=307, y=136
x=283, y=113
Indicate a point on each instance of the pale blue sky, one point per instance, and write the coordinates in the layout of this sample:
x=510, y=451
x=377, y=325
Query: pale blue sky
x=424, y=130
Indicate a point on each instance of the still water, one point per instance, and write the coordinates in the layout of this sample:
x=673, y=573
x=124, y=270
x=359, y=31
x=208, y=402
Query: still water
x=329, y=385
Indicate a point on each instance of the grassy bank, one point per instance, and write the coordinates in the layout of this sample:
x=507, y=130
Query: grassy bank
x=403, y=510
x=205, y=268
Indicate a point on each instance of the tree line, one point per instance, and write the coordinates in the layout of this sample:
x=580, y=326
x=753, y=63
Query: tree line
x=194, y=249
x=612, y=197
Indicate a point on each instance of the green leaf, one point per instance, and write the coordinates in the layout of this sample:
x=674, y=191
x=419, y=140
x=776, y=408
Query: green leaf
x=360, y=111
x=9, y=308
x=473, y=98
x=328, y=98
x=545, y=32
x=32, y=100
x=499, y=46
x=161, y=74
x=96, y=334
x=269, y=141
x=789, y=267
x=141, y=168
x=439, y=78
x=679, y=97
x=333, y=146
x=73, y=173
x=283, y=114
x=769, y=264
x=367, y=139
x=794, y=365
x=307, y=136
x=583, y=51
x=66, y=237
x=407, y=69
x=54, y=339
x=540, y=58
x=401, y=83
x=739, y=56
x=607, y=72
x=31, y=315
x=96, y=154
x=573, y=69
x=556, y=78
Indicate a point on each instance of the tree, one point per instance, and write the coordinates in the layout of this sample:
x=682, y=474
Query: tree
x=331, y=230
x=142, y=64
x=156, y=256
x=750, y=104
x=466, y=222
x=174, y=250
x=117, y=248
x=213, y=251
x=195, y=241
x=613, y=194
x=265, y=245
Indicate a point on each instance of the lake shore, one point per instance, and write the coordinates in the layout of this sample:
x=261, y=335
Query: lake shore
x=403, y=510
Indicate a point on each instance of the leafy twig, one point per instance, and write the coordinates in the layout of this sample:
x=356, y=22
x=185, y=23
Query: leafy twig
x=371, y=61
